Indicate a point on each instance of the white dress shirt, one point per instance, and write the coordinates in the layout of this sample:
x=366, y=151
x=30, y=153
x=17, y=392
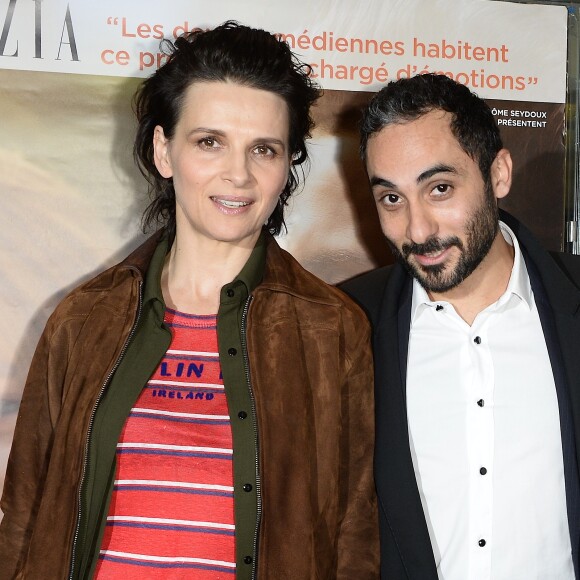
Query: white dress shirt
x=485, y=437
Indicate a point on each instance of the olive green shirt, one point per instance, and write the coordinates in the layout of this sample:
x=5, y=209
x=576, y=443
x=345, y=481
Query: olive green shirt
x=143, y=352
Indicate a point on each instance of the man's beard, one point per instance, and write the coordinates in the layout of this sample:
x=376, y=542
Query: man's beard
x=481, y=230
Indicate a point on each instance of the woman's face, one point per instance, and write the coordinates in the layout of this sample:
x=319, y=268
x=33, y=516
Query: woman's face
x=229, y=159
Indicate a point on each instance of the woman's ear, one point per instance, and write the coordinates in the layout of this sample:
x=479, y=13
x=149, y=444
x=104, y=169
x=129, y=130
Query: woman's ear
x=501, y=173
x=161, y=153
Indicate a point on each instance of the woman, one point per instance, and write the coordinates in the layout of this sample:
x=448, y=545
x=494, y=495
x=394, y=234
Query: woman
x=204, y=408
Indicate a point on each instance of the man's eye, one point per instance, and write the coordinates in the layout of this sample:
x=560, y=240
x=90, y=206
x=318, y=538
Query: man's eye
x=391, y=199
x=442, y=188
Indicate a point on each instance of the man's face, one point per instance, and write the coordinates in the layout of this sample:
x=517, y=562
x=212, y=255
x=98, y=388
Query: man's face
x=436, y=212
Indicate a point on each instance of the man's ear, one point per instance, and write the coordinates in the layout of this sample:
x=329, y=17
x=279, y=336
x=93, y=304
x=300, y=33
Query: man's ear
x=501, y=173
x=161, y=153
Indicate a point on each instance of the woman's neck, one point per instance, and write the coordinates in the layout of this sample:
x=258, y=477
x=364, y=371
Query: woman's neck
x=195, y=271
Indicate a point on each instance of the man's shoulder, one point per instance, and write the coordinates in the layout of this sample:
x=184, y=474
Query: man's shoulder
x=368, y=282
x=569, y=264
x=566, y=264
x=368, y=289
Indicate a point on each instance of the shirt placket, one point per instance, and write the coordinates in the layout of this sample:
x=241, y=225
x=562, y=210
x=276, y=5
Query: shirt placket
x=480, y=430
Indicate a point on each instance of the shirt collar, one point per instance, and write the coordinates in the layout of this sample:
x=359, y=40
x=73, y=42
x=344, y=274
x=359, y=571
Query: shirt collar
x=250, y=276
x=152, y=290
x=518, y=285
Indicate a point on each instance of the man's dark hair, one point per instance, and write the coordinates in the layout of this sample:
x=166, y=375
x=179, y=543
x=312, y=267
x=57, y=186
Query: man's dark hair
x=407, y=99
x=231, y=52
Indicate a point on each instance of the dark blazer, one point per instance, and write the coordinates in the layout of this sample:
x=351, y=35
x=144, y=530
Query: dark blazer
x=385, y=294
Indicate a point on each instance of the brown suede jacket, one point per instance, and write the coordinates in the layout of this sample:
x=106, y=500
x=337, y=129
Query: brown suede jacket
x=312, y=379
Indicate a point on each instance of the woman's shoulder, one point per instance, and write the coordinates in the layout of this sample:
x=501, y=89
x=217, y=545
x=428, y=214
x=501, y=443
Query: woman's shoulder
x=285, y=273
x=111, y=289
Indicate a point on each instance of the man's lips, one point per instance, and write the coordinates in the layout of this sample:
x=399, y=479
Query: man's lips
x=433, y=258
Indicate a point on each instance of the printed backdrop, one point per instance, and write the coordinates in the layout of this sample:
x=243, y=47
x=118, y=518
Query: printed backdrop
x=72, y=199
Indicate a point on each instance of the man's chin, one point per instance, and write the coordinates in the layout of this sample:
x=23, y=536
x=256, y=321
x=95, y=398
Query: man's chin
x=437, y=286
x=432, y=278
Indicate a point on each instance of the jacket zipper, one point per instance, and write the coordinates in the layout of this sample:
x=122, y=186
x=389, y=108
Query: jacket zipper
x=255, y=423
x=91, y=421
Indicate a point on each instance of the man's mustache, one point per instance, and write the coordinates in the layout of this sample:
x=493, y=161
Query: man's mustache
x=431, y=245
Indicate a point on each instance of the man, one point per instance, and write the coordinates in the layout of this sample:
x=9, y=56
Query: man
x=476, y=340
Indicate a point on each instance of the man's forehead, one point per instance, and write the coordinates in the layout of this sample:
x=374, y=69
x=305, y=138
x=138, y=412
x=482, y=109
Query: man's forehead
x=434, y=119
x=430, y=132
x=416, y=150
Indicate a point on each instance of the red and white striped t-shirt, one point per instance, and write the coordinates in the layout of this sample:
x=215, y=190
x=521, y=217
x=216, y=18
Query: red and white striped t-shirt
x=172, y=508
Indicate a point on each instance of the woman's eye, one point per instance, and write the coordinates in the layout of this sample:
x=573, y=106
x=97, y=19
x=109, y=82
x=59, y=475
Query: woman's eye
x=208, y=142
x=263, y=150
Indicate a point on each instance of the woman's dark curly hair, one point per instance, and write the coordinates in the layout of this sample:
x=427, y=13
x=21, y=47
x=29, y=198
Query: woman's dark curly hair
x=230, y=52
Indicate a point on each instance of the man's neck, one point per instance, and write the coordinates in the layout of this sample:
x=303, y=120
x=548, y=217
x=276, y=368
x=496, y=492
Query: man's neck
x=484, y=285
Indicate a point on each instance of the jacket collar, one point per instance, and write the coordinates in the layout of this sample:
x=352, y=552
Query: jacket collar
x=269, y=267
x=562, y=294
x=284, y=274
x=140, y=259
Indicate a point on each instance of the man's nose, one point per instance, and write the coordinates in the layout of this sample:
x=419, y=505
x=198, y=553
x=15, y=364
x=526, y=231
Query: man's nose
x=421, y=224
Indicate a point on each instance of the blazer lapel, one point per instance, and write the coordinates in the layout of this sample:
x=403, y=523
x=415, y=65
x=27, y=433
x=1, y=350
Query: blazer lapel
x=558, y=302
x=395, y=477
x=568, y=331
x=555, y=326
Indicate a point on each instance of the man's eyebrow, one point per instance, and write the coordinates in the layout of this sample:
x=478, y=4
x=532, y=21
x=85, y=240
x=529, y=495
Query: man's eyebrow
x=382, y=182
x=428, y=173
